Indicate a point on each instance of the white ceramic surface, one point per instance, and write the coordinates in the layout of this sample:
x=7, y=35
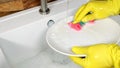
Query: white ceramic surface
x=3, y=60
x=62, y=38
x=22, y=37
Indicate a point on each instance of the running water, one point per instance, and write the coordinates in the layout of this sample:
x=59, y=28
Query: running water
x=67, y=10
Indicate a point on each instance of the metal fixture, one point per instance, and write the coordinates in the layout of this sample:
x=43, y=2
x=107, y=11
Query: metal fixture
x=44, y=9
x=50, y=23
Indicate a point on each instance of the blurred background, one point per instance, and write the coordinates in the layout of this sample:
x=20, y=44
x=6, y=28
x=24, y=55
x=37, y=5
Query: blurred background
x=11, y=6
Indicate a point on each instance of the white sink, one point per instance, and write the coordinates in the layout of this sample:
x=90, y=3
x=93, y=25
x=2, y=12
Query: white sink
x=22, y=37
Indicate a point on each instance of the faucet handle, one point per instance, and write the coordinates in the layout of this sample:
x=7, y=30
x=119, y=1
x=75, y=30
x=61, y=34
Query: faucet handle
x=47, y=11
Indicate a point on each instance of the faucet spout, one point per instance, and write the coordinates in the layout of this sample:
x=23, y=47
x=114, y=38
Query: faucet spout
x=44, y=9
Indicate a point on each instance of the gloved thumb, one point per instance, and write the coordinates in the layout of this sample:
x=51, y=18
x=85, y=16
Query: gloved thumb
x=80, y=50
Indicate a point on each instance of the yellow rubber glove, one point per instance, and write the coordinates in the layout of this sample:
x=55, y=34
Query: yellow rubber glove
x=98, y=56
x=97, y=10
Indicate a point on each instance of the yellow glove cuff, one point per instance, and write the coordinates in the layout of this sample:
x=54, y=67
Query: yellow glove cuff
x=116, y=4
x=116, y=56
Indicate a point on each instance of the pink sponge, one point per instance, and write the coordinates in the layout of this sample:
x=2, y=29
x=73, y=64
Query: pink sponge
x=91, y=21
x=75, y=26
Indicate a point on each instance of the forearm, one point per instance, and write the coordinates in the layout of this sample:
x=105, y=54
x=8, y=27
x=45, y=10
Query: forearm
x=97, y=0
x=116, y=56
x=117, y=64
x=117, y=5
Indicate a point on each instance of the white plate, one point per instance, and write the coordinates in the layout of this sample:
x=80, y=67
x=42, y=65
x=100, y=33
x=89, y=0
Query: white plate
x=62, y=38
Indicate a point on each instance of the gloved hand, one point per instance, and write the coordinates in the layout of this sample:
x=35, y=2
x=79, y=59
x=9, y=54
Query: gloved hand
x=98, y=56
x=97, y=10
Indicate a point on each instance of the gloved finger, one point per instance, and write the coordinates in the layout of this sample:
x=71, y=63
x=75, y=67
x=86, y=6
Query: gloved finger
x=79, y=11
x=80, y=50
x=78, y=60
x=88, y=18
x=82, y=14
x=101, y=15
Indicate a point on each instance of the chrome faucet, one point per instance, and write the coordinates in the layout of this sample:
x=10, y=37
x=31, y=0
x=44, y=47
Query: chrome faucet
x=44, y=9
